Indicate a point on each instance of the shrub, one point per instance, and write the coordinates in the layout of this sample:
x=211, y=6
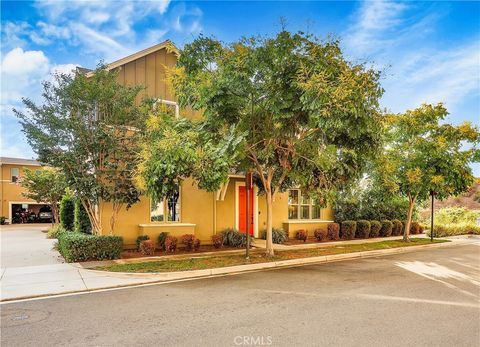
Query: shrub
x=217, y=241
x=234, y=238
x=147, y=247
x=451, y=215
x=55, y=231
x=301, y=235
x=278, y=235
x=333, y=231
x=421, y=228
x=453, y=229
x=363, y=229
x=82, y=247
x=387, y=227
x=375, y=227
x=320, y=234
x=67, y=212
x=170, y=244
x=161, y=240
x=189, y=241
x=415, y=228
x=402, y=228
x=348, y=229
x=397, y=228
x=2, y=220
x=81, y=220
x=140, y=239
x=196, y=244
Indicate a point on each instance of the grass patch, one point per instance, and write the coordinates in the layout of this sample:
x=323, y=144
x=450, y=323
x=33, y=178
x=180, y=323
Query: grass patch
x=199, y=263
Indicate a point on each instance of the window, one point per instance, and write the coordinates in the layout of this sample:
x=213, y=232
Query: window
x=167, y=209
x=15, y=174
x=300, y=206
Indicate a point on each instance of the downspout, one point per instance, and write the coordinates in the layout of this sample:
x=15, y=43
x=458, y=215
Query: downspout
x=214, y=213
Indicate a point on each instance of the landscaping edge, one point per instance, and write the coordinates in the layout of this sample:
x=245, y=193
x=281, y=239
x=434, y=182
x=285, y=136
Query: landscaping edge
x=165, y=277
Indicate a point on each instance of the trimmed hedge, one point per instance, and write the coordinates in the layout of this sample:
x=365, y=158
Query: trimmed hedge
x=333, y=231
x=161, y=240
x=76, y=247
x=67, y=212
x=278, y=235
x=387, y=228
x=348, y=229
x=397, y=229
x=375, y=227
x=320, y=234
x=301, y=235
x=414, y=228
x=363, y=229
x=140, y=239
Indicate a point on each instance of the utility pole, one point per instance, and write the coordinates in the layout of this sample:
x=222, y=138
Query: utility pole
x=248, y=187
x=432, y=194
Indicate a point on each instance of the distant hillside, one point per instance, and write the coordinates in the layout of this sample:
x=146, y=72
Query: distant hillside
x=470, y=200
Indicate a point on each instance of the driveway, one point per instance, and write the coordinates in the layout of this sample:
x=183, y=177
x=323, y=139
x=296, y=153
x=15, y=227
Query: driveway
x=423, y=298
x=26, y=245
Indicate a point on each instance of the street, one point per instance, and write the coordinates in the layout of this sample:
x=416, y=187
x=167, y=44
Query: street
x=422, y=298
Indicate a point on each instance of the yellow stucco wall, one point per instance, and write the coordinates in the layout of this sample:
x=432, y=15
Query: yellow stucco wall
x=11, y=192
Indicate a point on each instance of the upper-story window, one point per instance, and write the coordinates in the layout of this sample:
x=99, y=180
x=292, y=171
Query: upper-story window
x=300, y=206
x=166, y=210
x=15, y=174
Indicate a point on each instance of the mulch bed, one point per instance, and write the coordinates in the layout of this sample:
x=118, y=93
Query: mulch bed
x=128, y=254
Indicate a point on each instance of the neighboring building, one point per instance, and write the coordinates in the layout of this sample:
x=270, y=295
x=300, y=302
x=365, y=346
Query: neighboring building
x=192, y=210
x=12, y=200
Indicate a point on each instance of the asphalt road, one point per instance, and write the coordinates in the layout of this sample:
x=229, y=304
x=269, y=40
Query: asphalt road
x=423, y=298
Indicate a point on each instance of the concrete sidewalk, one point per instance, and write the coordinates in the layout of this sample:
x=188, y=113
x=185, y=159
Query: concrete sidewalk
x=46, y=280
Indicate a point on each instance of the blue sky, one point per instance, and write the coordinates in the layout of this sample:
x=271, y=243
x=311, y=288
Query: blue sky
x=429, y=51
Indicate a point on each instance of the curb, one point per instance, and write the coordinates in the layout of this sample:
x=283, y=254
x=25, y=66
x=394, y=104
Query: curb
x=166, y=277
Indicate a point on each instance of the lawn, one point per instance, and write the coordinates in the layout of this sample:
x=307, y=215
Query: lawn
x=199, y=262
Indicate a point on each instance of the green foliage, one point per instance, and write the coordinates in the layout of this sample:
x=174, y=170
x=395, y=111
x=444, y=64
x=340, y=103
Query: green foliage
x=278, y=235
x=67, y=211
x=161, y=240
x=44, y=186
x=76, y=247
x=387, y=227
x=452, y=215
x=397, y=227
x=2, y=220
x=363, y=229
x=289, y=108
x=140, y=239
x=375, y=227
x=453, y=229
x=82, y=222
x=234, y=238
x=55, y=231
x=426, y=154
x=86, y=127
x=348, y=229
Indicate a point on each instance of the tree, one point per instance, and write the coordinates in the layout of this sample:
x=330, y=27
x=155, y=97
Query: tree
x=45, y=186
x=67, y=211
x=88, y=128
x=425, y=155
x=290, y=109
x=81, y=220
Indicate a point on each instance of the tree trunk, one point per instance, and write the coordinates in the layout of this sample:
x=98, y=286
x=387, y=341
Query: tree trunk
x=113, y=218
x=406, y=232
x=269, y=245
x=95, y=216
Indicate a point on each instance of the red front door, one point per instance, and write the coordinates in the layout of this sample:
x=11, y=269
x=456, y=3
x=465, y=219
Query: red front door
x=242, y=210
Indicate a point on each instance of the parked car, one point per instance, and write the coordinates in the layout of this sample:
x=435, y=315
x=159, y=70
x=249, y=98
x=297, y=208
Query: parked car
x=45, y=215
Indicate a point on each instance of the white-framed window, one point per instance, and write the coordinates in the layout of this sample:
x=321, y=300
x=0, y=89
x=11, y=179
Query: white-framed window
x=166, y=210
x=300, y=206
x=15, y=174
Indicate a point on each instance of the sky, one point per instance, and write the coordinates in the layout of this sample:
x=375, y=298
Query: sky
x=428, y=51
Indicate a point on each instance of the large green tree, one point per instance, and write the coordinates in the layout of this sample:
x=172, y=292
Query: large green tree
x=88, y=127
x=424, y=154
x=45, y=186
x=291, y=109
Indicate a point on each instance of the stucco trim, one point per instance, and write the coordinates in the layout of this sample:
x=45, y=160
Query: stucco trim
x=307, y=221
x=173, y=224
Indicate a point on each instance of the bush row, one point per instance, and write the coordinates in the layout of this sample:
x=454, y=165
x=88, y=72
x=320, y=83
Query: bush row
x=453, y=229
x=76, y=247
x=166, y=243
x=368, y=229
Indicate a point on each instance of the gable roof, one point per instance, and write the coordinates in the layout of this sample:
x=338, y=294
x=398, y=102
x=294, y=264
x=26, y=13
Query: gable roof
x=19, y=161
